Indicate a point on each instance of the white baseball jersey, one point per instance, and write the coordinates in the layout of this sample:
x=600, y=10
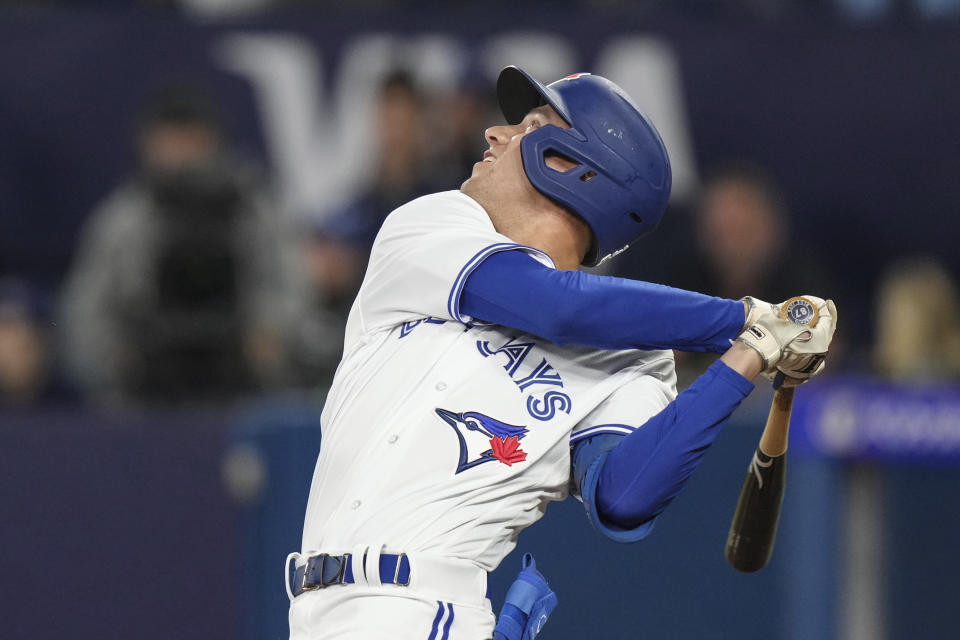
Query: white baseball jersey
x=447, y=437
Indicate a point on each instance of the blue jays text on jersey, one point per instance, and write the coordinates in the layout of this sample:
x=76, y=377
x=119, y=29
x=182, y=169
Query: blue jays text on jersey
x=542, y=406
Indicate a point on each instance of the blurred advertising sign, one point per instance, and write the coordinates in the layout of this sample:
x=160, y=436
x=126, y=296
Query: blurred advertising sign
x=862, y=419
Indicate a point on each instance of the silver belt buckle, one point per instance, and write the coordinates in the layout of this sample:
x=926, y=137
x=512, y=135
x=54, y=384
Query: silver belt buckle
x=396, y=573
x=323, y=558
x=303, y=587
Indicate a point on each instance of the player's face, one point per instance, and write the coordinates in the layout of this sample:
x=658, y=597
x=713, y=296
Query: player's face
x=500, y=175
x=505, y=139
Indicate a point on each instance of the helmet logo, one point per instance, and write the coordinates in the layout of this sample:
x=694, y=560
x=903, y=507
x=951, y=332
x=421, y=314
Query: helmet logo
x=574, y=76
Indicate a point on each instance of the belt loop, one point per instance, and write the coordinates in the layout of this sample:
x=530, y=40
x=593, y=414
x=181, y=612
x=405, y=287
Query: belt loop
x=287, y=578
x=357, y=558
x=371, y=565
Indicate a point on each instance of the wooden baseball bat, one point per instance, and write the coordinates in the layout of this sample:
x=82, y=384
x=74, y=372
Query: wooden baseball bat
x=753, y=529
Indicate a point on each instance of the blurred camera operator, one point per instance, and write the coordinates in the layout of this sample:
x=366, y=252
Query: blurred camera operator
x=171, y=295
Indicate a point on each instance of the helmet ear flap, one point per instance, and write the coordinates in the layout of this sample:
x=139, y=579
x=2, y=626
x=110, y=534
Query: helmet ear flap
x=552, y=168
x=587, y=187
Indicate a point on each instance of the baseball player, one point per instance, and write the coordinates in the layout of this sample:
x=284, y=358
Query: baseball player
x=484, y=376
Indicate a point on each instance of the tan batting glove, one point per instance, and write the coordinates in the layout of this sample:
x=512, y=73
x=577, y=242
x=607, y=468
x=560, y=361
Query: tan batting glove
x=804, y=357
x=781, y=334
x=767, y=333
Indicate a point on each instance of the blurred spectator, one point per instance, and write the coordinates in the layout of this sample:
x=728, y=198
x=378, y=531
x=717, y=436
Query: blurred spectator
x=742, y=234
x=335, y=252
x=918, y=323
x=27, y=373
x=739, y=232
x=345, y=237
x=172, y=295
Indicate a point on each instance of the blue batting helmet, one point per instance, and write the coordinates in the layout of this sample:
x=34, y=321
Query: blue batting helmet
x=622, y=183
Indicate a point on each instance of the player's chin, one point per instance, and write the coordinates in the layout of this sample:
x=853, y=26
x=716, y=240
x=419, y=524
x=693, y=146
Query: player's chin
x=473, y=175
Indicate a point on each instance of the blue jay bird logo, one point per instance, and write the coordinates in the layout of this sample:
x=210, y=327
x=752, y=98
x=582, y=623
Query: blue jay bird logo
x=475, y=431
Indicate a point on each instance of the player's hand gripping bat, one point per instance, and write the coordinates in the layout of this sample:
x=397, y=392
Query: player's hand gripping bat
x=753, y=529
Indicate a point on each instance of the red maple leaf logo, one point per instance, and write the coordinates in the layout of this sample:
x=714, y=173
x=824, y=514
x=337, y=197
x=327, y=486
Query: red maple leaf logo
x=507, y=450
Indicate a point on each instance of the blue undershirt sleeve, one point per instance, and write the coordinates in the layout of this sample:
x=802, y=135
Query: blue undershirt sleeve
x=513, y=289
x=625, y=484
x=588, y=457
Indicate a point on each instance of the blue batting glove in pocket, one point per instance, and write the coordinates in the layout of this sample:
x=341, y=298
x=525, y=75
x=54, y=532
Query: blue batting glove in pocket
x=528, y=604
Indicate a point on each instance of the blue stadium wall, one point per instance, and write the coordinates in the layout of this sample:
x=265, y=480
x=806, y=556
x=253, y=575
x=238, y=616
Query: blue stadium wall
x=121, y=525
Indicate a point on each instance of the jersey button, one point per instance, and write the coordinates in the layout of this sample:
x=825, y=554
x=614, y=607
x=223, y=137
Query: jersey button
x=355, y=505
x=392, y=438
x=441, y=386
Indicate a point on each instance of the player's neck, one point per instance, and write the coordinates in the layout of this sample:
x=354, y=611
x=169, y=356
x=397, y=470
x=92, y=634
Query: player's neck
x=532, y=219
x=556, y=232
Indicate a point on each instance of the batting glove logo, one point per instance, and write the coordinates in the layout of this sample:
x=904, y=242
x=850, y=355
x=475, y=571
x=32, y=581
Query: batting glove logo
x=800, y=311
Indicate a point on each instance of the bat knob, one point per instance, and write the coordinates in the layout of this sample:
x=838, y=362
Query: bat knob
x=778, y=380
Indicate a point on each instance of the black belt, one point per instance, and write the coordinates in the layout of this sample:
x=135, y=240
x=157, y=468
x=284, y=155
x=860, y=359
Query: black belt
x=324, y=570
